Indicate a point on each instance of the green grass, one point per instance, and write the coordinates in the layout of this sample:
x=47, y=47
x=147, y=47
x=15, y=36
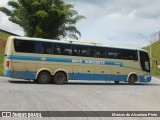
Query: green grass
x=1, y=61
x=3, y=37
x=155, y=54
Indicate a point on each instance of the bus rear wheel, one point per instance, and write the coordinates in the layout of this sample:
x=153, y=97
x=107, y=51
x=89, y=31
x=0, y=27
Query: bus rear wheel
x=132, y=79
x=60, y=78
x=44, y=78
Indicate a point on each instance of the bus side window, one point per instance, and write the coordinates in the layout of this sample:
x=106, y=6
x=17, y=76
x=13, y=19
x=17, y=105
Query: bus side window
x=114, y=53
x=85, y=51
x=98, y=52
x=46, y=48
x=129, y=55
x=24, y=46
x=66, y=49
x=76, y=51
x=38, y=47
x=58, y=50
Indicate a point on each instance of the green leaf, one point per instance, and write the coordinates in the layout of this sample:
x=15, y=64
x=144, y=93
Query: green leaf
x=41, y=14
x=13, y=4
x=6, y=11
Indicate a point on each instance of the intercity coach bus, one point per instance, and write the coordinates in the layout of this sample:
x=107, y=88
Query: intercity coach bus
x=58, y=61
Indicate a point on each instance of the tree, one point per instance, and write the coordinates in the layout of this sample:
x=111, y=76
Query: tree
x=51, y=19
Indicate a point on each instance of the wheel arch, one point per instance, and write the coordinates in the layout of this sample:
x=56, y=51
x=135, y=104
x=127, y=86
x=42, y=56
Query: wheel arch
x=62, y=70
x=42, y=70
x=133, y=73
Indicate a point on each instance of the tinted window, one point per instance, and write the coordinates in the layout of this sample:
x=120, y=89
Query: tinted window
x=81, y=51
x=145, y=61
x=66, y=49
x=24, y=46
x=114, y=53
x=44, y=47
x=47, y=48
x=129, y=55
x=76, y=50
x=144, y=55
x=58, y=49
x=63, y=49
x=85, y=51
x=98, y=52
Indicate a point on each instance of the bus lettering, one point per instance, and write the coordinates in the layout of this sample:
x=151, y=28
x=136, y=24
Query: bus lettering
x=76, y=61
x=94, y=62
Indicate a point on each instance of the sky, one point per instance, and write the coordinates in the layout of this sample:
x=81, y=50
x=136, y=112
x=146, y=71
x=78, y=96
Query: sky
x=110, y=22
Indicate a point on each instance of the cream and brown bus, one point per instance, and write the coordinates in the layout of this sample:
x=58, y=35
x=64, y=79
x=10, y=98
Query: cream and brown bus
x=46, y=61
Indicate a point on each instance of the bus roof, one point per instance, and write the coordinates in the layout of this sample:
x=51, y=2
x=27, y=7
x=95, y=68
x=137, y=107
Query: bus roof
x=78, y=42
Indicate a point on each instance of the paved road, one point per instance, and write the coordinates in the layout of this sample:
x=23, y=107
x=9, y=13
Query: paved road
x=20, y=95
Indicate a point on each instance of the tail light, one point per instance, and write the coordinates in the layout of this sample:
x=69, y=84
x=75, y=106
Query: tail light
x=7, y=63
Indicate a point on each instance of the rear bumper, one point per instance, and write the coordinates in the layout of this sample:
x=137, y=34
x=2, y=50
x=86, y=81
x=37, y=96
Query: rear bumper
x=20, y=74
x=8, y=73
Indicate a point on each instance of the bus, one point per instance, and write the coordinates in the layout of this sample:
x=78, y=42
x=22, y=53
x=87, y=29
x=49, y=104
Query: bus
x=58, y=61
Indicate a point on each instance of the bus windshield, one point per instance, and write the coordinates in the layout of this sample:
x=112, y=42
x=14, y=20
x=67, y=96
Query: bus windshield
x=145, y=61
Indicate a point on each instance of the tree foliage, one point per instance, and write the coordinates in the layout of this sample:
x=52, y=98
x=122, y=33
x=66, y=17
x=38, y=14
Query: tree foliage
x=51, y=19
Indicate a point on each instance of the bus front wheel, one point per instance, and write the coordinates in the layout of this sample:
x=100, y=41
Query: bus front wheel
x=60, y=78
x=132, y=79
x=44, y=77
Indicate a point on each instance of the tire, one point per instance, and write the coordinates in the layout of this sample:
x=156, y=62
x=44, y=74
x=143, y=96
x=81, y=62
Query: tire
x=60, y=78
x=44, y=78
x=132, y=79
x=116, y=82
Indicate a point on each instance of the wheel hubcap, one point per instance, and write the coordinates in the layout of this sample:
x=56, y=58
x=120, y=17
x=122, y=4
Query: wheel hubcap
x=60, y=78
x=44, y=77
